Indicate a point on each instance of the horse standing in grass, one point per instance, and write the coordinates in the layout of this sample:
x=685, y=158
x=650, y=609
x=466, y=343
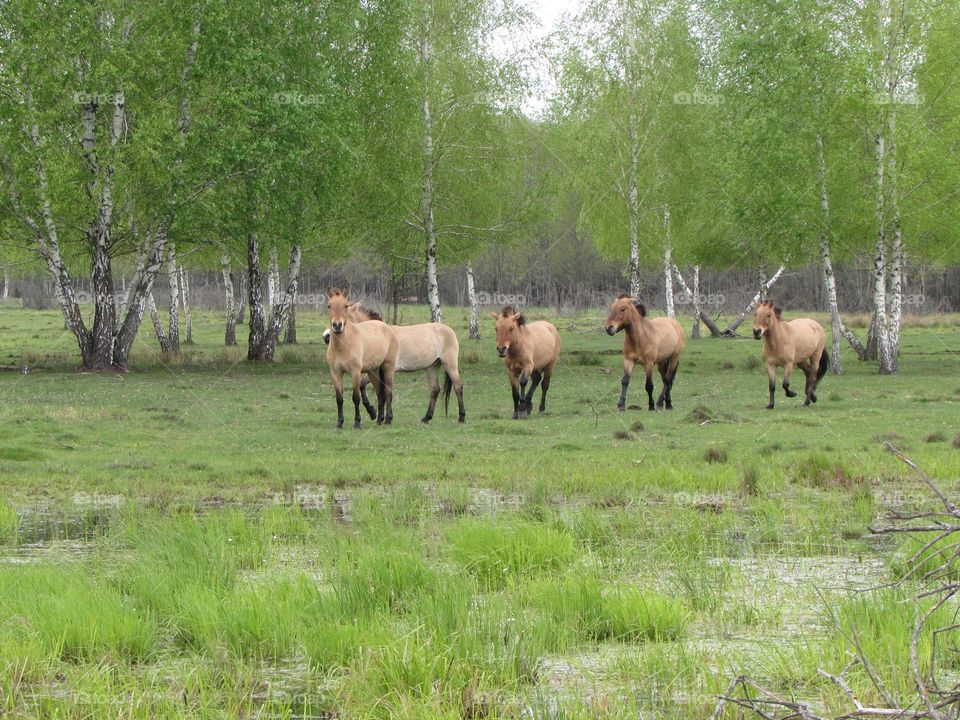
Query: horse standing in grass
x=650, y=341
x=801, y=343
x=529, y=351
x=427, y=346
x=357, y=348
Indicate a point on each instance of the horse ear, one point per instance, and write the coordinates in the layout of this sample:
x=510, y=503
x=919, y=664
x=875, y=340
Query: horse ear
x=494, y=316
x=354, y=304
x=640, y=308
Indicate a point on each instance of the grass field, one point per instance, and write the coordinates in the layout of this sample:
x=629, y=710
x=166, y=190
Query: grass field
x=194, y=539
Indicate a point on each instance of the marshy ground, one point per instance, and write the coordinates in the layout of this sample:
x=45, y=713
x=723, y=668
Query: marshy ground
x=194, y=539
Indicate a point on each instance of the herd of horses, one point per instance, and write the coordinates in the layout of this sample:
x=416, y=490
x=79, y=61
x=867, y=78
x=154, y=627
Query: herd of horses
x=362, y=345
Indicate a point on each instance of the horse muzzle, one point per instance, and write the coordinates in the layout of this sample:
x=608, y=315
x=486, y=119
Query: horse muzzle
x=757, y=333
x=611, y=330
x=336, y=328
x=326, y=336
x=502, y=351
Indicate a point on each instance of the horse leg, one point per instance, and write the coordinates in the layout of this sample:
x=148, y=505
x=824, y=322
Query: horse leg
x=371, y=410
x=524, y=376
x=625, y=383
x=355, y=378
x=515, y=387
x=544, y=386
x=454, y=374
x=386, y=378
x=812, y=378
x=772, y=377
x=535, y=379
x=671, y=374
x=787, y=371
x=434, y=392
x=662, y=367
x=805, y=367
x=648, y=386
x=338, y=388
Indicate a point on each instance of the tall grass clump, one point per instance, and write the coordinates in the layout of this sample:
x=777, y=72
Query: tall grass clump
x=498, y=553
x=377, y=579
x=8, y=523
x=71, y=614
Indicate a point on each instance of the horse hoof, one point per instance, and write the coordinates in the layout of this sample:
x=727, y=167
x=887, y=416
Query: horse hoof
x=770, y=406
x=462, y=419
x=669, y=407
x=806, y=403
x=426, y=419
x=356, y=426
x=372, y=414
x=791, y=393
x=652, y=408
x=813, y=398
x=621, y=408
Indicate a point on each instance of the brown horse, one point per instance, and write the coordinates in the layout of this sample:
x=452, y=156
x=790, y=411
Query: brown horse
x=801, y=342
x=357, y=348
x=650, y=341
x=529, y=351
x=426, y=346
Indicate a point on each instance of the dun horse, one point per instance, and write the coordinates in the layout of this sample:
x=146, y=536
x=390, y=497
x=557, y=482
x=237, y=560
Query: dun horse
x=799, y=343
x=426, y=346
x=657, y=341
x=357, y=348
x=529, y=352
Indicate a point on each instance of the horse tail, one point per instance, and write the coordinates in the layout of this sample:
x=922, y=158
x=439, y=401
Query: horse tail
x=824, y=364
x=447, y=387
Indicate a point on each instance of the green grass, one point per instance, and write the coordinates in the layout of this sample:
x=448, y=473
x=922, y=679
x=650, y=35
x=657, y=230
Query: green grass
x=194, y=539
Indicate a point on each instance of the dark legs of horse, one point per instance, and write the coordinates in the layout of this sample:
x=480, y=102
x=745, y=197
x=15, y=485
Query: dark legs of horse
x=817, y=368
x=667, y=374
x=648, y=386
x=434, y=392
x=371, y=410
x=787, y=372
x=544, y=386
x=385, y=398
x=515, y=388
x=624, y=384
x=535, y=379
x=338, y=388
x=356, y=399
x=772, y=376
x=522, y=406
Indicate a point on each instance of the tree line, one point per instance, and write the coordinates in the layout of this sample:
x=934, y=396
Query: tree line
x=142, y=142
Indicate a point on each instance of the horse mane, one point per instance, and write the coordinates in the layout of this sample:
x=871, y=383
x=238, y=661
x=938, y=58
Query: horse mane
x=508, y=310
x=373, y=315
x=641, y=308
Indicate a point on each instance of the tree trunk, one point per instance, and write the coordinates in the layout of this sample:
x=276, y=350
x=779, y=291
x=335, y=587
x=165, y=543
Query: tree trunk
x=242, y=302
x=256, y=332
x=433, y=288
x=270, y=333
x=668, y=264
x=173, y=333
x=184, y=278
x=634, y=210
x=149, y=262
x=895, y=293
x=273, y=278
x=290, y=336
x=474, y=304
x=158, y=326
x=6, y=283
x=761, y=293
x=230, y=334
x=697, y=313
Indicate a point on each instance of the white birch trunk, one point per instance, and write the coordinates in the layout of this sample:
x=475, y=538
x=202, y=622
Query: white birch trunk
x=474, y=304
x=173, y=332
x=230, y=333
x=695, y=331
x=634, y=209
x=761, y=293
x=6, y=283
x=433, y=288
x=668, y=264
x=273, y=278
x=184, y=278
x=895, y=293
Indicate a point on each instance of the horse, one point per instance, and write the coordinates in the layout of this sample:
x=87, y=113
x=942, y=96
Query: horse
x=357, y=348
x=529, y=351
x=426, y=346
x=801, y=342
x=650, y=341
